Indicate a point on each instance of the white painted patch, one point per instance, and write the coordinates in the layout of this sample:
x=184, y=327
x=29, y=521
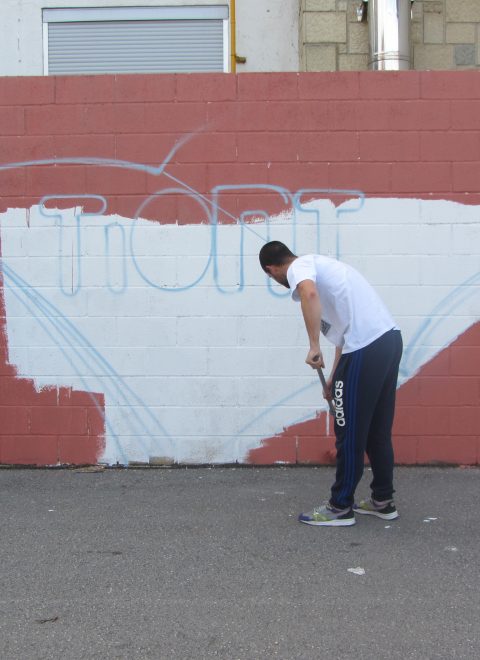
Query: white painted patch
x=200, y=368
x=356, y=571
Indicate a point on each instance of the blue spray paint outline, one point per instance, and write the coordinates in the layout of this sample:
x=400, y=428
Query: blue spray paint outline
x=78, y=216
x=167, y=289
x=338, y=211
x=58, y=320
x=437, y=316
x=107, y=230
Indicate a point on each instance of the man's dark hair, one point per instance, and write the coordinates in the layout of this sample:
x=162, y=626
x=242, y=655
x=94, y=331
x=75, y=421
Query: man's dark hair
x=275, y=253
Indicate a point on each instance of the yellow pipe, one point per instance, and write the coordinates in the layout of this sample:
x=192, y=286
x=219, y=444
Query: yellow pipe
x=233, y=41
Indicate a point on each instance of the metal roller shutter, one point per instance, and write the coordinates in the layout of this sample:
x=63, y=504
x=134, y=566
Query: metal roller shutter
x=133, y=46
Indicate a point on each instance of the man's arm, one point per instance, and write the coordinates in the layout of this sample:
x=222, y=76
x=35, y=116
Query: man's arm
x=312, y=315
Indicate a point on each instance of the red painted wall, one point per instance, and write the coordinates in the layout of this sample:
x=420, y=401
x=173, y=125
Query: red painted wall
x=412, y=134
x=369, y=131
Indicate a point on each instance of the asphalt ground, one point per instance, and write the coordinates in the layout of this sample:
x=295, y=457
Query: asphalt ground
x=205, y=563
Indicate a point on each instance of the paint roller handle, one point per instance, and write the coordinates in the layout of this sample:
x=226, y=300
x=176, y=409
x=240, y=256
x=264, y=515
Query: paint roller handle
x=324, y=385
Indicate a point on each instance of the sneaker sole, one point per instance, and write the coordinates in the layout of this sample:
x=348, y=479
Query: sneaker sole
x=329, y=523
x=383, y=516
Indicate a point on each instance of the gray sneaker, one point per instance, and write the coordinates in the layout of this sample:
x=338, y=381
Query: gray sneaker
x=386, y=510
x=328, y=515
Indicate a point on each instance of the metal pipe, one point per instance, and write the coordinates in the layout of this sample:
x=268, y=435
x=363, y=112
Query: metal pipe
x=389, y=30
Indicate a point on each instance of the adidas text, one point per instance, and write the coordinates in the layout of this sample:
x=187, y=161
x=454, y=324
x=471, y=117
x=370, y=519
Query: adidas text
x=339, y=414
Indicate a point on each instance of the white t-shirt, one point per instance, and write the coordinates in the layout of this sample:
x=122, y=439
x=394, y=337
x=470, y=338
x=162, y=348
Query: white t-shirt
x=353, y=315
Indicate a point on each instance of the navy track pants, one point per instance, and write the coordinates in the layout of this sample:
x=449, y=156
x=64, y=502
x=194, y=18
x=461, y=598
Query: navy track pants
x=364, y=388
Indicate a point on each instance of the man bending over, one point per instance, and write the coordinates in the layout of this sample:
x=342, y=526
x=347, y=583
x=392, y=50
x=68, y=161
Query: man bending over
x=339, y=303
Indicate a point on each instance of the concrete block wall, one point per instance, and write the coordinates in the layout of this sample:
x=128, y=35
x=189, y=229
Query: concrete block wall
x=445, y=35
x=135, y=323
